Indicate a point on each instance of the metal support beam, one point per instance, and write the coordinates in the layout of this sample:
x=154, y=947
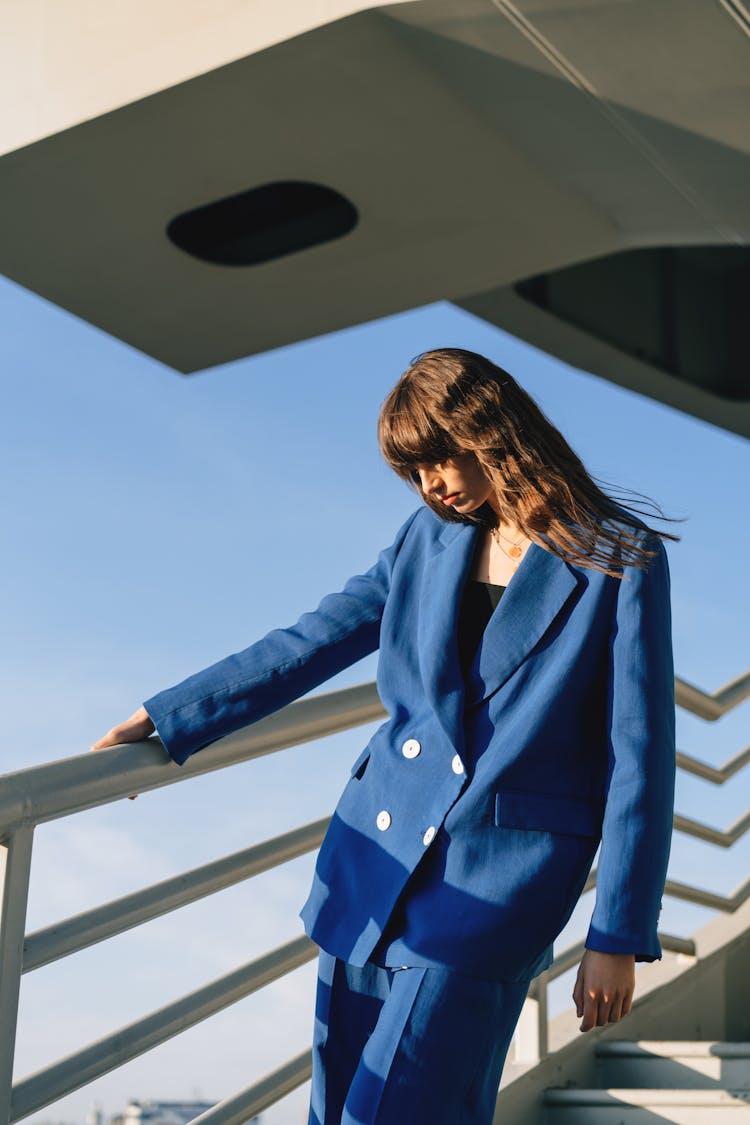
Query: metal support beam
x=717, y=775
x=252, y=1101
x=92, y=926
x=15, y=867
x=76, y=1070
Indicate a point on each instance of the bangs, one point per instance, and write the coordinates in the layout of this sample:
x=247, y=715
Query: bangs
x=409, y=434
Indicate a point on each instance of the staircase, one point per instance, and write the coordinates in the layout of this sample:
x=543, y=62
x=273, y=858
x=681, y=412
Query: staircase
x=699, y=992
x=646, y=1082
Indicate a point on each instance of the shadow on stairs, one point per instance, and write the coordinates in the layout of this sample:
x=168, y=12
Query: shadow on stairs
x=649, y=1082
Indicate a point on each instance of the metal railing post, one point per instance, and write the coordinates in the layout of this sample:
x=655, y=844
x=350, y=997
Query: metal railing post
x=15, y=867
x=543, y=1014
x=526, y=1035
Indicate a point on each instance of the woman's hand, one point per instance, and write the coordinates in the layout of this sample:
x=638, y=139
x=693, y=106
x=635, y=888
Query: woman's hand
x=135, y=729
x=604, y=988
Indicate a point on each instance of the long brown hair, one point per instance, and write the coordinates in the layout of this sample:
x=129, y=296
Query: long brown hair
x=451, y=401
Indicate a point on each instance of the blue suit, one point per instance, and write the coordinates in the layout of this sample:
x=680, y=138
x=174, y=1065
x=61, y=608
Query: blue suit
x=471, y=819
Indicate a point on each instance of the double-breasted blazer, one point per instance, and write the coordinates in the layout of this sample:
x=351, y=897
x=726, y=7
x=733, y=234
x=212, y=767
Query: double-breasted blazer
x=472, y=816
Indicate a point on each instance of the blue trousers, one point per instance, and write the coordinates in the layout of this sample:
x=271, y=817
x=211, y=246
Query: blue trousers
x=417, y=1045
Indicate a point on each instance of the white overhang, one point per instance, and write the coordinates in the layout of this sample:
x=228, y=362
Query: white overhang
x=482, y=143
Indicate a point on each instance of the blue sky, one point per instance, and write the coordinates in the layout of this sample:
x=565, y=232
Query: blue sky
x=155, y=523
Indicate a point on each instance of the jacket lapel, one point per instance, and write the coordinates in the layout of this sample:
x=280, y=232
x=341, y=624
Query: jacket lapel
x=535, y=595
x=443, y=579
x=534, y=598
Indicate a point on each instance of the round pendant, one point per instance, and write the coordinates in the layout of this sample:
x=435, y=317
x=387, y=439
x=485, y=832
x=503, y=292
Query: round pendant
x=515, y=552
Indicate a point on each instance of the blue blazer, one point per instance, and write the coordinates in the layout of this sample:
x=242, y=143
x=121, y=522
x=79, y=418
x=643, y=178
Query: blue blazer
x=468, y=827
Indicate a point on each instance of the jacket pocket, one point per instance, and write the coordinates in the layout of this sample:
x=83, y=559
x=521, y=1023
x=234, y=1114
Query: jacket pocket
x=360, y=764
x=571, y=816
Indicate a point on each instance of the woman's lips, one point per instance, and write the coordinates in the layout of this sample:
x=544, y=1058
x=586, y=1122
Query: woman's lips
x=449, y=499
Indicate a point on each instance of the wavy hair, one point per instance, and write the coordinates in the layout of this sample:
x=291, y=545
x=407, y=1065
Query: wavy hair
x=451, y=401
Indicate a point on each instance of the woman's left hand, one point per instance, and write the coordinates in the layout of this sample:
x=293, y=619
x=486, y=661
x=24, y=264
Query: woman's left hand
x=604, y=988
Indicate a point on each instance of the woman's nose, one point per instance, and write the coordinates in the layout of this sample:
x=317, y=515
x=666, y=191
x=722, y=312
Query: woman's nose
x=429, y=479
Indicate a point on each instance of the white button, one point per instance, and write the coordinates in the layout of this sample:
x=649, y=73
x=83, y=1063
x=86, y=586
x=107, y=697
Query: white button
x=411, y=748
x=384, y=820
x=457, y=765
x=429, y=835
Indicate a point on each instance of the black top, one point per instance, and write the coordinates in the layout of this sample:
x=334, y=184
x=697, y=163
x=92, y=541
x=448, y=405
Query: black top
x=477, y=606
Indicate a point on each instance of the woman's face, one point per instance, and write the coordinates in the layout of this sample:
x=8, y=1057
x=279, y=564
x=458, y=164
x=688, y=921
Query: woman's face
x=459, y=483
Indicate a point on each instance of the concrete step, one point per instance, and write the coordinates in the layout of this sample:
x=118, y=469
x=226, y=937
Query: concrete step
x=682, y=1065
x=646, y=1107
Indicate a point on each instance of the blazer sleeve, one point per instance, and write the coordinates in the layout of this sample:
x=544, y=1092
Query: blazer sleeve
x=278, y=668
x=638, y=816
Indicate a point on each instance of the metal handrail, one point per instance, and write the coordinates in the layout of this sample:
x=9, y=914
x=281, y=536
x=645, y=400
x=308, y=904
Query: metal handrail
x=252, y=1101
x=84, y=781
x=692, y=894
x=688, y=893
x=717, y=775
x=60, y=788
x=121, y=914
x=82, y=1067
x=726, y=903
x=722, y=837
x=711, y=705
x=69, y=785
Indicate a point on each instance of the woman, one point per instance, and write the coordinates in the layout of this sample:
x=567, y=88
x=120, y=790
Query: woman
x=524, y=628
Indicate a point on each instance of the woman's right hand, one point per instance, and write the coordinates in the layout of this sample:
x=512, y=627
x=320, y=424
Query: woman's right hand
x=135, y=729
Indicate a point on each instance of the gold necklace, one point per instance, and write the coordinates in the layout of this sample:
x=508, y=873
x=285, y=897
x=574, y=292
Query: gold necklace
x=515, y=553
